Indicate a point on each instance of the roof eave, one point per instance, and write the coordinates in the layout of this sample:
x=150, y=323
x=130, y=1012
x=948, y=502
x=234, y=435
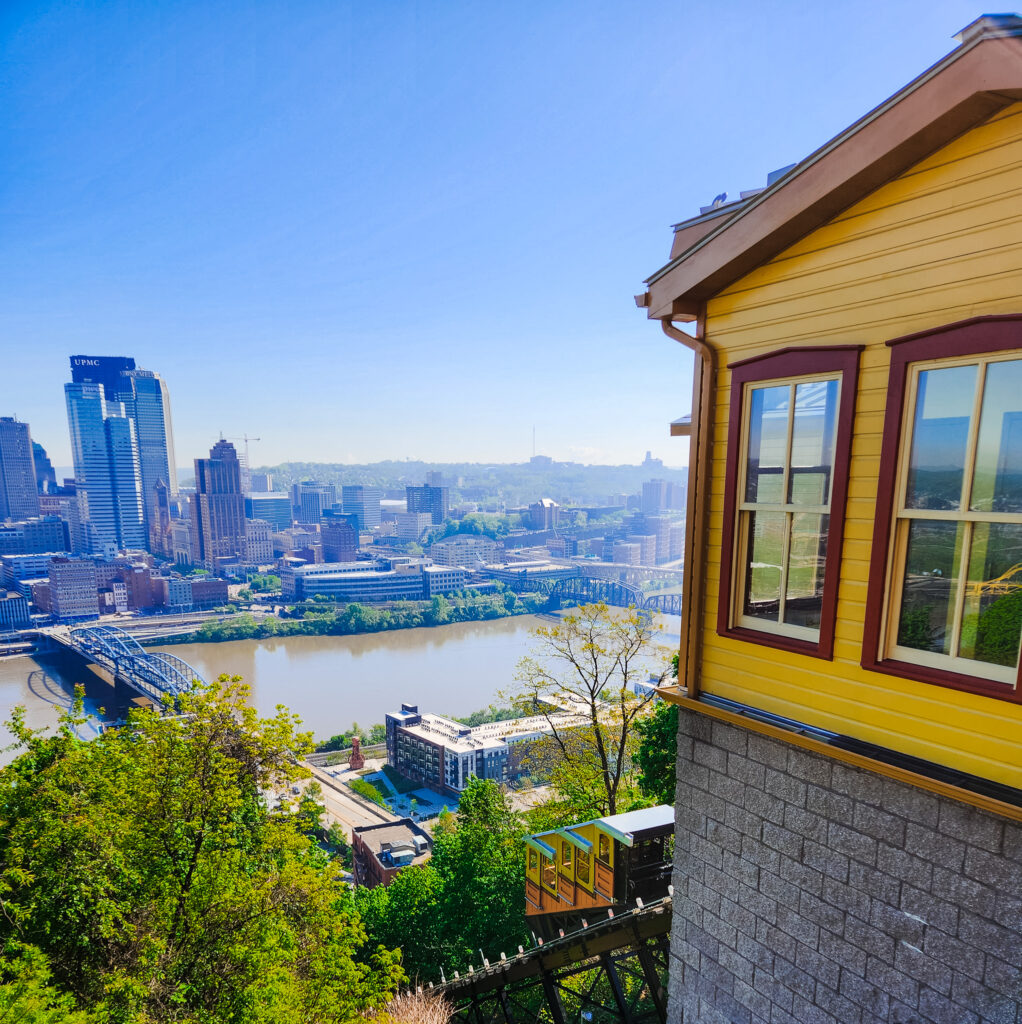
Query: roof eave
x=971, y=84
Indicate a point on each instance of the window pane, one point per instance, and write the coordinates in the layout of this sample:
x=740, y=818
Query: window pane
x=997, y=481
x=992, y=618
x=812, y=443
x=582, y=867
x=940, y=436
x=550, y=873
x=930, y=586
x=765, y=550
x=807, y=556
x=768, y=443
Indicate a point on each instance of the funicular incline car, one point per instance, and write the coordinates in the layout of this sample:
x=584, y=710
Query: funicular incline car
x=605, y=863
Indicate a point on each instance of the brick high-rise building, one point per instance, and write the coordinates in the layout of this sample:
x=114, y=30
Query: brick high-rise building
x=19, y=496
x=339, y=533
x=218, y=506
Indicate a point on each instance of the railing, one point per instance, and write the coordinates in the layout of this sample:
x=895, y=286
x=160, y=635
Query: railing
x=156, y=675
x=614, y=969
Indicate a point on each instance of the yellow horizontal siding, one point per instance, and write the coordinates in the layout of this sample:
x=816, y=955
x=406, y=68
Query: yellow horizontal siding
x=941, y=243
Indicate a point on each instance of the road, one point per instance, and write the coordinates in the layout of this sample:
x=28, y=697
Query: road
x=344, y=807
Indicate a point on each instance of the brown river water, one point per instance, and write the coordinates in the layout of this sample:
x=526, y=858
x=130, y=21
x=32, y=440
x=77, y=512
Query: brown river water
x=329, y=681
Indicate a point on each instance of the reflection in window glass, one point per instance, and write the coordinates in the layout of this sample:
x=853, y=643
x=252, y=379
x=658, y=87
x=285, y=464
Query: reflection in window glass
x=550, y=873
x=997, y=479
x=812, y=442
x=763, y=565
x=930, y=585
x=768, y=442
x=533, y=860
x=566, y=855
x=783, y=520
x=582, y=863
x=940, y=437
x=603, y=853
x=992, y=616
x=807, y=558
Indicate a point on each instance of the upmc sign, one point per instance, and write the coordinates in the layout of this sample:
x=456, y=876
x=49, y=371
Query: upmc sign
x=83, y=361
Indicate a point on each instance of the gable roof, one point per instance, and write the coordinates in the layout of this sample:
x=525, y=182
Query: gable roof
x=971, y=84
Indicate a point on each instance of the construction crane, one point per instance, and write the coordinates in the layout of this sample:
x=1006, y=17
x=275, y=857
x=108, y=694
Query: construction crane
x=247, y=466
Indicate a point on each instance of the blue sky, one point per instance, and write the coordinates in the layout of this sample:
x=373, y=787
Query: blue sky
x=386, y=229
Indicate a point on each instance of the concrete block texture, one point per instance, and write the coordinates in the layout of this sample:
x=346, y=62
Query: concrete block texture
x=808, y=890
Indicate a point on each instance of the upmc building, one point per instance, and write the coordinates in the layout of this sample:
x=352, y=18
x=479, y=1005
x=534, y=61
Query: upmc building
x=105, y=370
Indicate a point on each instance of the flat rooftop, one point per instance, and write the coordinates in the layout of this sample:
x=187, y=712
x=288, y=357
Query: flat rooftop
x=393, y=833
x=463, y=739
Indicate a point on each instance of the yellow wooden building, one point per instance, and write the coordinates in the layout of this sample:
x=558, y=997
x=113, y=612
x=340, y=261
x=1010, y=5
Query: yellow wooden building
x=869, y=303
x=850, y=726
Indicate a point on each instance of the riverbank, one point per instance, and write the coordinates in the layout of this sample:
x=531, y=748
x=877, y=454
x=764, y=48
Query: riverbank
x=356, y=619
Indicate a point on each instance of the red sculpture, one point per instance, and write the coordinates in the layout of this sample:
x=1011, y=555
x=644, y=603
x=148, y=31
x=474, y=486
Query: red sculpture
x=357, y=759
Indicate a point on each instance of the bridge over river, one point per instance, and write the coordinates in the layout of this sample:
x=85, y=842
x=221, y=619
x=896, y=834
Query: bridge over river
x=156, y=675
x=575, y=585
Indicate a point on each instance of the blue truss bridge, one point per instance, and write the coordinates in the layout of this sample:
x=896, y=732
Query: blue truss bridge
x=155, y=675
x=581, y=587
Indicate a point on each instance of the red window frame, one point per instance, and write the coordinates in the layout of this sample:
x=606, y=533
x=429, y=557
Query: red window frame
x=790, y=363
x=977, y=336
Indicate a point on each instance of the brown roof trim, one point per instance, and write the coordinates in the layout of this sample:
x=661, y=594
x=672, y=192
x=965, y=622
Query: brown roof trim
x=967, y=87
x=800, y=350
x=964, y=325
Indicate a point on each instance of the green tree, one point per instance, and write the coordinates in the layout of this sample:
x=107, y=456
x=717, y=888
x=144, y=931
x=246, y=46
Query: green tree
x=407, y=914
x=162, y=871
x=27, y=993
x=470, y=896
x=656, y=755
x=439, y=611
x=588, y=665
x=480, y=858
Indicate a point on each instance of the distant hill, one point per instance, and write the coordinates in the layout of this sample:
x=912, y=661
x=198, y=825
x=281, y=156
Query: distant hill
x=515, y=483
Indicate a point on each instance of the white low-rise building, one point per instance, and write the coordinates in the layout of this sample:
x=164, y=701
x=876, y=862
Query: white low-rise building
x=466, y=550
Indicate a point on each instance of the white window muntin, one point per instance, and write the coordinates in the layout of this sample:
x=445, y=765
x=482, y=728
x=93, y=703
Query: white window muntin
x=963, y=515
x=745, y=508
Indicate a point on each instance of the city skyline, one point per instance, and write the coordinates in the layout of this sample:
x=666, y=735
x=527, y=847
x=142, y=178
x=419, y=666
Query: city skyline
x=239, y=201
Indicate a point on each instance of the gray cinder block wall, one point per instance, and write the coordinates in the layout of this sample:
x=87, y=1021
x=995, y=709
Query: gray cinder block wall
x=807, y=891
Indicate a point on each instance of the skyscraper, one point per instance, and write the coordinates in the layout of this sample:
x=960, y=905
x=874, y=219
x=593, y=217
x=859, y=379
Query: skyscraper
x=311, y=498
x=103, y=370
x=431, y=498
x=364, y=502
x=108, y=479
x=140, y=397
x=45, y=475
x=339, y=532
x=19, y=498
x=147, y=401
x=218, y=507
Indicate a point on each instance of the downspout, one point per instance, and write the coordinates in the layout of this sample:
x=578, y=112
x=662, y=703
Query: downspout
x=698, y=501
